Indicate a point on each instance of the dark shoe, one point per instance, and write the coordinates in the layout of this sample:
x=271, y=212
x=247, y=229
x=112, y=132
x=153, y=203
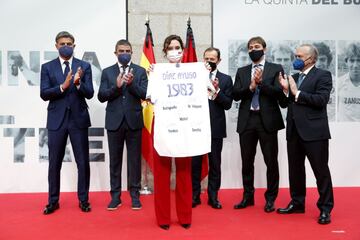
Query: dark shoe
x=324, y=218
x=85, y=206
x=269, y=207
x=135, y=204
x=50, y=208
x=114, y=204
x=245, y=203
x=196, y=201
x=165, y=226
x=291, y=208
x=215, y=204
x=186, y=225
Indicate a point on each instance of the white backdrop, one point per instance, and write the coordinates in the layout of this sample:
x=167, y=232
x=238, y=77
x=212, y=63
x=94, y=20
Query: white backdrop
x=297, y=22
x=28, y=30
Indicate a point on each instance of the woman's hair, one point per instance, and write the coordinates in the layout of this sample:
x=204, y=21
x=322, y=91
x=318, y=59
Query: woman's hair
x=168, y=41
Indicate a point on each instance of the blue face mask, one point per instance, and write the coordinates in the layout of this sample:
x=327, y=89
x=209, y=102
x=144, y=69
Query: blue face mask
x=299, y=64
x=66, y=51
x=124, y=58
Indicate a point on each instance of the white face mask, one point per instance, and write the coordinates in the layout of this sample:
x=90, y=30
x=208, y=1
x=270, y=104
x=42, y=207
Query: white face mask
x=174, y=56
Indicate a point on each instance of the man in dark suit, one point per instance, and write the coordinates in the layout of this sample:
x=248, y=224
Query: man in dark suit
x=67, y=116
x=220, y=99
x=307, y=132
x=123, y=85
x=259, y=119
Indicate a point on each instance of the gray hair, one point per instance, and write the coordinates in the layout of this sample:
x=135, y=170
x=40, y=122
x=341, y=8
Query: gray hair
x=314, y=53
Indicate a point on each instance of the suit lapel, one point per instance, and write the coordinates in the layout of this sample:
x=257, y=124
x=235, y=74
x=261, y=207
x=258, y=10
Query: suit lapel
x=247, y=75
x=307, y=78
x=59, y=74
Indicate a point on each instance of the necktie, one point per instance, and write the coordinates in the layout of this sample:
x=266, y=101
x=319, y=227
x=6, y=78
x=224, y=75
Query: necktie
x=300, y=80
x=255, y=98
x=67, y=68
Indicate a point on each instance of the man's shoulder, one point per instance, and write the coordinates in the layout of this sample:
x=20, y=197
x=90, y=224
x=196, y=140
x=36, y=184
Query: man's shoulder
x=137, y=67
x=81, y=62
x=223, y=75
x=110, y=68
x=51, y=62
x=273, y=65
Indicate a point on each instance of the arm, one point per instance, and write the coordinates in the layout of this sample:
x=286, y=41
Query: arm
x=86, y=86
x=139, y=86
x=107, y=91
x=224, y=97
x=47, y=91
x=321, y=96
x=240, y=91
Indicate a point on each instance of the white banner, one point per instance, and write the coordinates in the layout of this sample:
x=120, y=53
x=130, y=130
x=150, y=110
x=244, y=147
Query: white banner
x=182, y=119
x=28, y=30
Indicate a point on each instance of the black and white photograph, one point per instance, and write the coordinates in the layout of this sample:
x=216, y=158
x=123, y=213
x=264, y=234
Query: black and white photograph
x=349, y=81
x=18, y=68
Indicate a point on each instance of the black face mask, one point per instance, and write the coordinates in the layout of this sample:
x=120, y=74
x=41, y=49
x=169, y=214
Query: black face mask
x=255, y=55
x=212, y=65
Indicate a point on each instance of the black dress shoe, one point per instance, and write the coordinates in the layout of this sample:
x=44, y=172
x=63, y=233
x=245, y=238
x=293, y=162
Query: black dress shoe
x=324, y=218
x=291, y=208
x=186, y=225
x=215, y=204
x=269, y=207
x=165, y=226
x=50, y=208
x=196, y=201
x=244, y=203
x=85, y=206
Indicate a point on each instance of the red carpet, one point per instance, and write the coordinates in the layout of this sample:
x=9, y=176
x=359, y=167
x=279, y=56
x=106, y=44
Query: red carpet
x=21, y=218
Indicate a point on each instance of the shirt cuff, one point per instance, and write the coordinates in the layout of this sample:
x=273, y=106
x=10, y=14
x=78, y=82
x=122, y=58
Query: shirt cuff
x=61, y=88
x=297, y=95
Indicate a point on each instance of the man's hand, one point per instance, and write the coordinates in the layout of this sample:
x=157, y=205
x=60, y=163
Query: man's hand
x=120, y=80
x=293, y=87
x=66, y=84
x=283, y=80
x=129, y=77
x=79, y=73
x=258, y=75
x=215, y=83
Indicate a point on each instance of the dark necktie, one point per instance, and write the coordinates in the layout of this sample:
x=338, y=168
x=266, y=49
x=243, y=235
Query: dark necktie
x=300, y=80
x=255, y=98
x=67, y=68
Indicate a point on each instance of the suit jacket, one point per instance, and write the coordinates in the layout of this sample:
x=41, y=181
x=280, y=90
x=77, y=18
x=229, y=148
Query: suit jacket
x=72, y=98
x=120, y=106
x=218, y=106
x=309, y=114
x=270, y=96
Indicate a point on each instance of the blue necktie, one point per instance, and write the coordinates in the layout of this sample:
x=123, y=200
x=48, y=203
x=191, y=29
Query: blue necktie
x=300, y=80
x=67, y=68
x=255, y=98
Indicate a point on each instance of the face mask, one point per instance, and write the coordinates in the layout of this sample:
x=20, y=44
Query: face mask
x=255, y=55
x=174, y=55
x=66, y=51
x=124, y=58
x=299, y=64
x=213, y=66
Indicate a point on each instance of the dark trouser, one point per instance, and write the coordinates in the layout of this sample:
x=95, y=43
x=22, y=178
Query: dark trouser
x=249, y=138
x=318, y=154
x=116, y=141
x=214, y=178
x=80, y=144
